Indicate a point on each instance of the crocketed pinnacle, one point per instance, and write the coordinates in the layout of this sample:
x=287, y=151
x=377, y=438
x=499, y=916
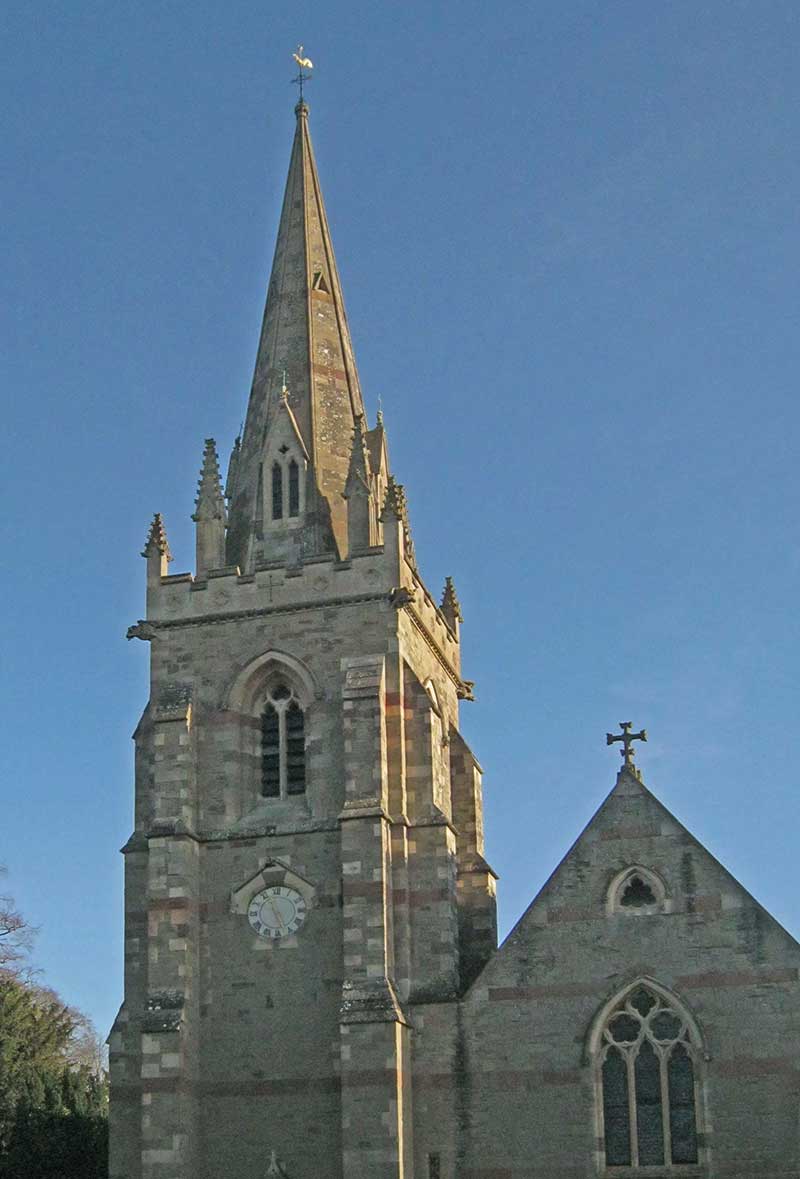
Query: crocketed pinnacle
x=157, y=539
x=210, y=502
x=451, y=607
x=358, y=476
x=304, y=335
x=395, y=504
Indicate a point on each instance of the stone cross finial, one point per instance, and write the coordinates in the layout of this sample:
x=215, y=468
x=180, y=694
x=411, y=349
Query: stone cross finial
x=626, y=737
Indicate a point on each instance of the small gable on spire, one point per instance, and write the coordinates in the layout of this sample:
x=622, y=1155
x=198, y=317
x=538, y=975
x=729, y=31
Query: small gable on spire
x=283, y=430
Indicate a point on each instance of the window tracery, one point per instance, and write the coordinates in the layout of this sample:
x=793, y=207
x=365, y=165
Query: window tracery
x=283, y=753
x=647, y=1064
x=637, y=891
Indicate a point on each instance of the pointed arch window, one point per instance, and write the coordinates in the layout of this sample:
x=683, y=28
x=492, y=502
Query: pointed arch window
x=647, y=1083
x=283, y=744
x=294, y=488
x=637, y=892
x=277, y=492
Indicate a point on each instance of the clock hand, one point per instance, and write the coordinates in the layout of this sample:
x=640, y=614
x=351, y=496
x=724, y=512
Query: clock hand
x=275, y=912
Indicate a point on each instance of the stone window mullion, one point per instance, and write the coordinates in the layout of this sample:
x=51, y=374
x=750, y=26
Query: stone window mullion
x=665, y=1106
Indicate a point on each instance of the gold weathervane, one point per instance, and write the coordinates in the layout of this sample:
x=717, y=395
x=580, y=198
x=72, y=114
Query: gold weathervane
x=305, y=65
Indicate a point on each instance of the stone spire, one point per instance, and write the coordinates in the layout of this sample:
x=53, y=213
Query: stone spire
x=209, y=513
x=305, y=343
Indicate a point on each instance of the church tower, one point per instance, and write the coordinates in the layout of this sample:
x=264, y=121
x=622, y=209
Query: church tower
x=306, y=867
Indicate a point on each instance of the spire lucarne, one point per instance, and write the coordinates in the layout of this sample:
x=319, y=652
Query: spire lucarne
x=305, y=336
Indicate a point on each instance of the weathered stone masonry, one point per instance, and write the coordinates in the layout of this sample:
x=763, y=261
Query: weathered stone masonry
x=300, y=754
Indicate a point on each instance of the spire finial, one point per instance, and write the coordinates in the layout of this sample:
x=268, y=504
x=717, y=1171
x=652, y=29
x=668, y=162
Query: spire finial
x=379, y=416
x=626, y=738
x=284, y=389
x=304, y=64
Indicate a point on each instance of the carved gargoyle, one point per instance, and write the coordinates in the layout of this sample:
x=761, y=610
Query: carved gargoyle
x=401, y=596
x=141, y=630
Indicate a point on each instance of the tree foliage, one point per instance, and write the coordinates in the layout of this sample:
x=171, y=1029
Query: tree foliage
x=15, y=935
x=53, y=1089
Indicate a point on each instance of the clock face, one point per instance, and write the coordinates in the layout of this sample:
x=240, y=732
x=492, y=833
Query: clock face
x=276, y=911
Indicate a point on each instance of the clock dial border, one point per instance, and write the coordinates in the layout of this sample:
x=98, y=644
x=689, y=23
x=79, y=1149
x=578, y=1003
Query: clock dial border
x=277, y=911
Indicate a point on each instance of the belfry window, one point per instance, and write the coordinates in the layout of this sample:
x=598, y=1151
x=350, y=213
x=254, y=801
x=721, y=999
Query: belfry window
x=277, y=492
x=294, y=488
x=283, y=744
x=647, y=1084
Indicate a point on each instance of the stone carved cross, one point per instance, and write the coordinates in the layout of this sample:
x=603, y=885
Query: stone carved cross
x=275, y=1167
x=626, y=737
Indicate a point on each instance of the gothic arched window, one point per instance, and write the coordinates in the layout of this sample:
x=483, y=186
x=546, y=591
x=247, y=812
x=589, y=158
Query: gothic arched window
x=283, y=744
x=637, y=891
x=277, y=492
x=294, y=488
x=647, y=1055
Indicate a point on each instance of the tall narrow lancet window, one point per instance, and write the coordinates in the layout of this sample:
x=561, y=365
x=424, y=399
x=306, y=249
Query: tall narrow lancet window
x=294, y=488
x=283, y=744
x=647, y=1083
x=277, y=492
x=270, y=752
x=295, y=749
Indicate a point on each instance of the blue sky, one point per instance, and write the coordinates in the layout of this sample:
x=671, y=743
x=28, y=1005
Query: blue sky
x=568, y=238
